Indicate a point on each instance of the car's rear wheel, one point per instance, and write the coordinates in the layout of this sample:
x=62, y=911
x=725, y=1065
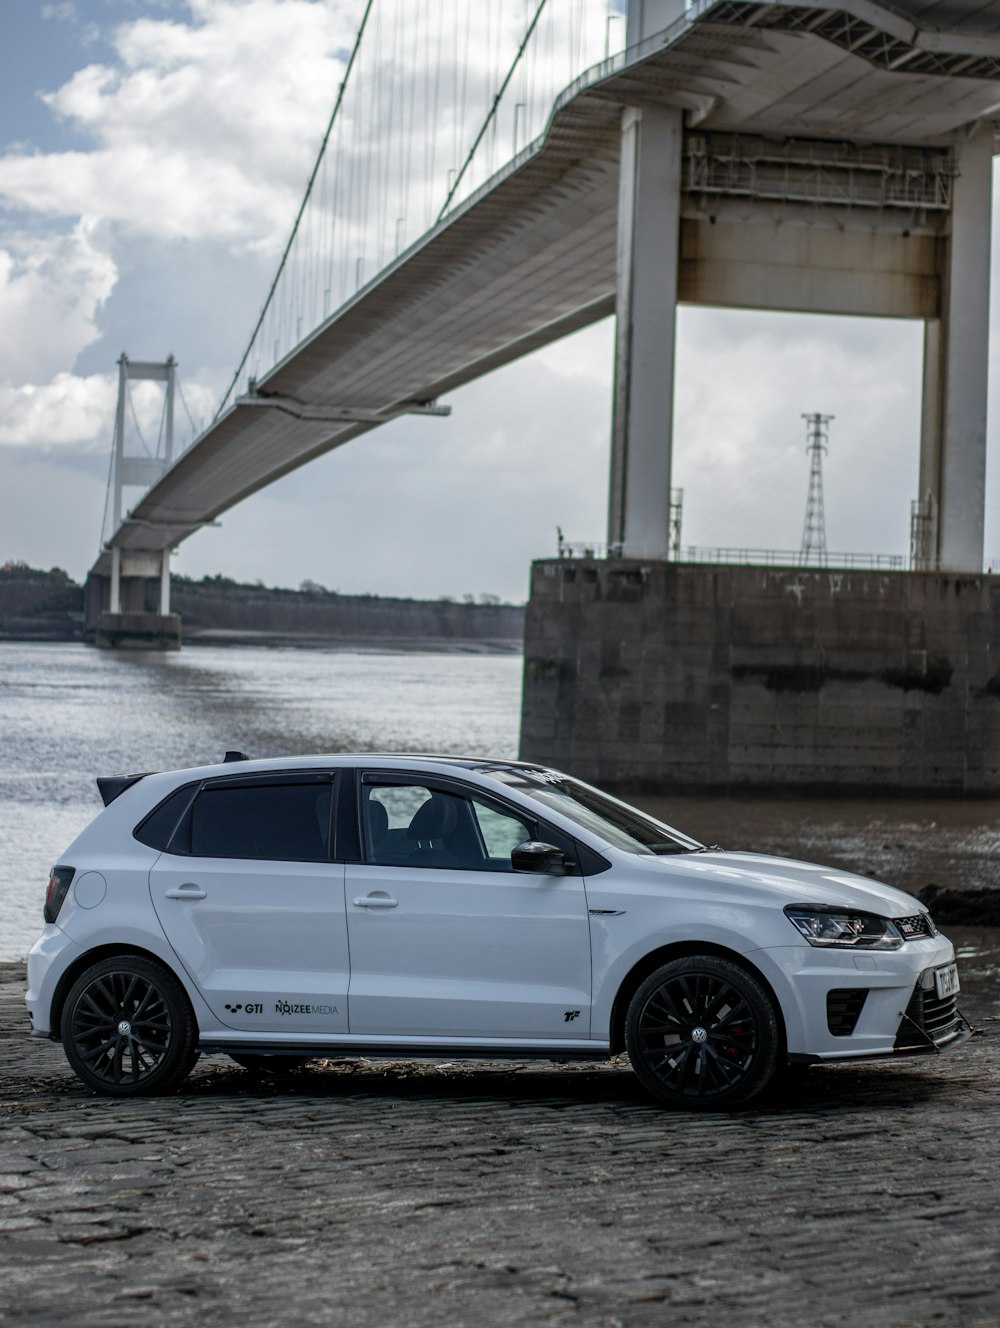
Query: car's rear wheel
x=128, y=1029
x=702, y=1034
x=268, y=1065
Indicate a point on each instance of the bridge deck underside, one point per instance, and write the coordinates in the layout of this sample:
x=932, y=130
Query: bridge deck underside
x=533, y=256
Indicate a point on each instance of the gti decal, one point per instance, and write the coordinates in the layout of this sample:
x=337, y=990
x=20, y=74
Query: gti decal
x=249, y=1008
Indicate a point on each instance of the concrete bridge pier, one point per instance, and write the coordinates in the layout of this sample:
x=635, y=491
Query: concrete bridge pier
x=956, y=370
x=127, y=602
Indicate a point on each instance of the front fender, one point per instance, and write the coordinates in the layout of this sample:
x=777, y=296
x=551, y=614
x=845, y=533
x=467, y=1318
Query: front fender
x=619, y=955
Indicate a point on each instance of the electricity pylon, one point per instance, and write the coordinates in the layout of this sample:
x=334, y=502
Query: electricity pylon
x=814, y=531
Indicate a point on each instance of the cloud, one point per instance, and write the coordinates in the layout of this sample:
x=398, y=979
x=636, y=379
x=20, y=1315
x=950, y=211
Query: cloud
x=260, y=73
x=52, y=287
x=66, y=411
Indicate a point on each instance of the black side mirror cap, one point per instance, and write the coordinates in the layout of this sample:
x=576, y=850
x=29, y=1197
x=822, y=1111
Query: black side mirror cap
x=534, y=856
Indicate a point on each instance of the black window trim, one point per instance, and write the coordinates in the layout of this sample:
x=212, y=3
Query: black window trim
x=192, y=789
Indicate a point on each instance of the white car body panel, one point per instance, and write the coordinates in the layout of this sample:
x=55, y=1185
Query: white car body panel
x=471, y=953
x=264, y=942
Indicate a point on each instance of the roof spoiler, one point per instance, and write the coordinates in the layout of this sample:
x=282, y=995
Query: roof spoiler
x=110, y=786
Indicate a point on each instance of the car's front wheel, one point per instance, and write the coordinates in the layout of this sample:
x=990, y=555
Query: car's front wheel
x=128, y=1029
x=702, y=1034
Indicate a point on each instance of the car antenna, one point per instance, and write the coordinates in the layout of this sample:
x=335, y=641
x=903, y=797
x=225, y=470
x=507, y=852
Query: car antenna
x=234, y=756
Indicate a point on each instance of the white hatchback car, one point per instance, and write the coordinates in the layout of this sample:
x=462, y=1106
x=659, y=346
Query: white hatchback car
x=434, y=906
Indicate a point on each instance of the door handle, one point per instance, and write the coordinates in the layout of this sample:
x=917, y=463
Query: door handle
x=377, y=900
x=189, y=890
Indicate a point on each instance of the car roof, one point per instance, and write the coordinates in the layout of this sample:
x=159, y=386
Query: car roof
x=237, y=763
x=380, y=758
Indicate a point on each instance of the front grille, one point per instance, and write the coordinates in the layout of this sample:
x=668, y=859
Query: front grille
x=843, y=1009
x=914, y=928
x=929, y=1019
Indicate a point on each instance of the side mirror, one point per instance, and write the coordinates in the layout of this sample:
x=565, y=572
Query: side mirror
x=533, y=856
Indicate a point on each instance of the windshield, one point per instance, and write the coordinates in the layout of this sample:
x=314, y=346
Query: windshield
x=615, y=822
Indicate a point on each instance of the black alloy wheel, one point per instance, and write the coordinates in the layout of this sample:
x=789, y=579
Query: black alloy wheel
x=702, y=1034
x=273, y=1066
x=128, y=1029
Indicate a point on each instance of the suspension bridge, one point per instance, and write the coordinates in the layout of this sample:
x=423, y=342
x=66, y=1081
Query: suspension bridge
x=496, y=175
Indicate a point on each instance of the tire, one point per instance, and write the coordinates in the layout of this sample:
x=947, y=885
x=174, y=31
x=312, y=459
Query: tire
x=128, y=1029
x=702, y=1034
x=269, y=1065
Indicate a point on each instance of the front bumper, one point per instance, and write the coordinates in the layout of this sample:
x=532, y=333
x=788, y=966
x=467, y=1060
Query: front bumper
x=850, y=1005
x=930, y=1023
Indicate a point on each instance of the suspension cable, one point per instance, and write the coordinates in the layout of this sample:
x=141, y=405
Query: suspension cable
x=493, y=109
x=135, y=419
x=187, y=409
x=295, y=228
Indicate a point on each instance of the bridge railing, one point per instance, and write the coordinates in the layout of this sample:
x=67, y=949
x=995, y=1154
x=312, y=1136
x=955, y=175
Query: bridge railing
x=884, y=562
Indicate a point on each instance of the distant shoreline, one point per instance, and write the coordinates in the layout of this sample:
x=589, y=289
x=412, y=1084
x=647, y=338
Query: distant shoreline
x=49, y=607
x=360, y=644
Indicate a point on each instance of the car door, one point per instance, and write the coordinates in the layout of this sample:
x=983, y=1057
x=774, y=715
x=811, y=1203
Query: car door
x=253, y=906
x=446, y=939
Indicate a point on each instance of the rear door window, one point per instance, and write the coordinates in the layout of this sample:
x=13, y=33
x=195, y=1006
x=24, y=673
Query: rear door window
x=287, y=820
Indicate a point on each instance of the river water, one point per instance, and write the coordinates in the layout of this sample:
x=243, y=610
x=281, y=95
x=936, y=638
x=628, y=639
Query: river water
x=69, y=713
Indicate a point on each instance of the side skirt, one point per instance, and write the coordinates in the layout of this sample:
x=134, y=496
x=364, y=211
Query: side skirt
x=409, y=1051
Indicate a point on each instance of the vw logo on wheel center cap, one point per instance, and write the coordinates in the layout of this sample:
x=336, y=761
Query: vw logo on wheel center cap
x=699, y=1035
x=124, y=1028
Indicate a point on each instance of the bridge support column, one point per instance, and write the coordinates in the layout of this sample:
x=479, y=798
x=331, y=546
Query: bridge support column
x=648, y=247
x=117, y=617
x=956, y=365
x=165, y=583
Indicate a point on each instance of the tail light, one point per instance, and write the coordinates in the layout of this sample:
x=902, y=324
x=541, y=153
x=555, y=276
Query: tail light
x=59, y=882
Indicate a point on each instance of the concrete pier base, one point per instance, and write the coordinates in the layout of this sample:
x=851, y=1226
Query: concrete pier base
x=657, y=675
x=138, y=631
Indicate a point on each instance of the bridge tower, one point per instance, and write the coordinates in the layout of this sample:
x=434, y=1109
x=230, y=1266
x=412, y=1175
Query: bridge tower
x=116, y=615
x=704, y=218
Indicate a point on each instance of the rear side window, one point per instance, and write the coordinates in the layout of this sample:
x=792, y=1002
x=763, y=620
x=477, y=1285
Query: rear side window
x=286, y=821
x=160, y=824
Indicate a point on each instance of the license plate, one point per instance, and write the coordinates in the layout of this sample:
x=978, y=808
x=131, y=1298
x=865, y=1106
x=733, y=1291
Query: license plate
x=946, y=981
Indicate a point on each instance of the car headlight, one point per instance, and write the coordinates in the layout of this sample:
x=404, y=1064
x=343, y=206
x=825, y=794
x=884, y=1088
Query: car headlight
x=843, y=928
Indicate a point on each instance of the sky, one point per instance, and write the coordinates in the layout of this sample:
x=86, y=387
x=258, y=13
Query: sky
x=153, y=154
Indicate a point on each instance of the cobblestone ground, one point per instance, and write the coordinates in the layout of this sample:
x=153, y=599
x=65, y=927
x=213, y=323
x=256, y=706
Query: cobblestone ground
x=495, y=1195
